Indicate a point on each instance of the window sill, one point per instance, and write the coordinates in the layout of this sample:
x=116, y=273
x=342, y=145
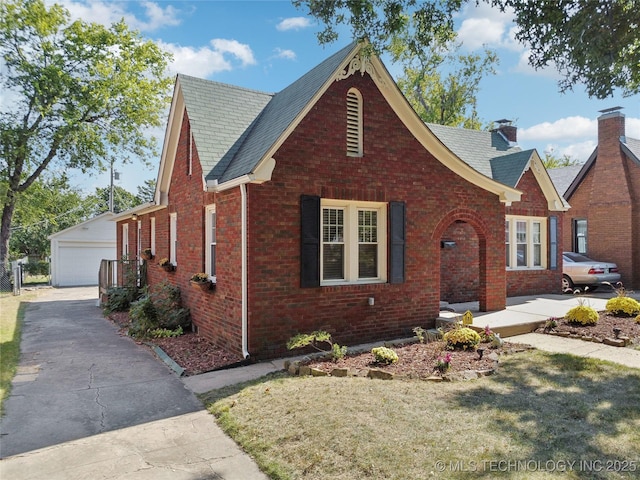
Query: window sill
x=344, y=283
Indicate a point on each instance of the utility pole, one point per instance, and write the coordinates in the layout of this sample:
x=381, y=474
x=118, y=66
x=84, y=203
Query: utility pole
x=114, y=175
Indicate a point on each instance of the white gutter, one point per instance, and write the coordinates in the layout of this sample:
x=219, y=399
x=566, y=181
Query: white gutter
x=243, y=215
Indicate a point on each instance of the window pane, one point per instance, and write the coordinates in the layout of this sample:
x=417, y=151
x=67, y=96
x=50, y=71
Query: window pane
x=332, y=225
x=333, y=261
x=581, y=236
x=367, y=260
x=537, y=247
x=522, y=255
x=212, y=265
x=508, y=246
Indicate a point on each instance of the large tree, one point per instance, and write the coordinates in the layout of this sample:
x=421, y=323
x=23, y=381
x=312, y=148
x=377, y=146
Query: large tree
x=48, y=206
x=443, y=85
x=594, y=42
x=77, y=95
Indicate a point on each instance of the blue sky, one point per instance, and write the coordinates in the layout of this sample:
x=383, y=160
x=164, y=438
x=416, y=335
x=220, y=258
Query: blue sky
x=266, y=45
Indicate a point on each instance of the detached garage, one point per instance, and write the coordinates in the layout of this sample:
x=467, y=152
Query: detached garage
x=77, y=251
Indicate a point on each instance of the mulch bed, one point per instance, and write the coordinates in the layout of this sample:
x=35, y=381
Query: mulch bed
x=191, y=351
x=603, y=329
x=418, y=360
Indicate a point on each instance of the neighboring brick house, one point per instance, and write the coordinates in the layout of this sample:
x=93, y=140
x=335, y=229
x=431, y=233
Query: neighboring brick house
x=323, y=206
x=604, y=220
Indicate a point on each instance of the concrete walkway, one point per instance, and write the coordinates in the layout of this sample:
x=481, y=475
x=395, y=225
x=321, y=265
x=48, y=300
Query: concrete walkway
x=89, y=403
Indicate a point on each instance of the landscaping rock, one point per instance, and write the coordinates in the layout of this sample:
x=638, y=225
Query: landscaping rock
x=435, y=378
x=614, y=342
x=315, y=372
x=379, y=374
x=294, y=368
x=305, y=370
x=340, y=372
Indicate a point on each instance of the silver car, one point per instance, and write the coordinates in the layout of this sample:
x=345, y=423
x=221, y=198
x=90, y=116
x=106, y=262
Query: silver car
x=581, y=271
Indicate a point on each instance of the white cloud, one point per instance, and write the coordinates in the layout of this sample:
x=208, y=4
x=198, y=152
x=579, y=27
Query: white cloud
x=293, y=23
x=483, y=25
x=632, y=127
x=563, y=129
x=524, y=67
x=239, y=50
x=285, y=54
x=106, y=13
x=206, y=61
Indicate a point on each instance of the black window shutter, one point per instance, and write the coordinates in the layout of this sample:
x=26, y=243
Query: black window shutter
x=553, y=243
x=397, y=231
x=310, y=241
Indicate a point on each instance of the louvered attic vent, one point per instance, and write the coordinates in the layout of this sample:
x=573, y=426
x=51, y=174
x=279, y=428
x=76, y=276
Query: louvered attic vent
x=354, y=123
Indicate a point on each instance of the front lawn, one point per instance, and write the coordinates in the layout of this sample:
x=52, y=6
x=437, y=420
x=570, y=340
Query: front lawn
x=11, y=315
x=536, y=416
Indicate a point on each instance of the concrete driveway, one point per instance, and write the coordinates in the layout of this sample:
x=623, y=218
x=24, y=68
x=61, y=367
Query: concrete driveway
x=78, y=378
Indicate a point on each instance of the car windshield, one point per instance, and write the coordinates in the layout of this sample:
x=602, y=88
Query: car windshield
x=576, y=257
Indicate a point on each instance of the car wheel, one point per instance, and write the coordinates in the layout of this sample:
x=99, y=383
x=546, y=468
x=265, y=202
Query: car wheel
x=567, y=284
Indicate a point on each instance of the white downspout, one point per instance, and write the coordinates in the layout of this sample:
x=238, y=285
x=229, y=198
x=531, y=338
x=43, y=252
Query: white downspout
x=243, y=215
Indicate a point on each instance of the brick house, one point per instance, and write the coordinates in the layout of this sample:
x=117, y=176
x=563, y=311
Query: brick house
x=326, y=206
x=604, y=194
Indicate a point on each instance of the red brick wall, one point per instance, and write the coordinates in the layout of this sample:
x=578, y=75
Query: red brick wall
x=608, y=198
x=394, y=167
x=534, y=204
x=459, y=266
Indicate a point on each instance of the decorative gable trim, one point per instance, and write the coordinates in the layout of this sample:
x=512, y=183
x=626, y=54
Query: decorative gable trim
x=362, y=64
x=554, y=199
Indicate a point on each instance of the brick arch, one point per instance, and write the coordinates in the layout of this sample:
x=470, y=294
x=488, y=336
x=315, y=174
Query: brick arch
x=479, y=225
x=466, y=215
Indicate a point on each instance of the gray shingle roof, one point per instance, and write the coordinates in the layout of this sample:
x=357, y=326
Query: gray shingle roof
x=634, y=147
x=219, y=115
x=481, y=150
x=233, y=127
x=563, y=176
x=508, y=168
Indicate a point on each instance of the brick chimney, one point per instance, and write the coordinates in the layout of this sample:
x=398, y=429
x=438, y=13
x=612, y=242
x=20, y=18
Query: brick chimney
x=609, y=168
x=508, y=131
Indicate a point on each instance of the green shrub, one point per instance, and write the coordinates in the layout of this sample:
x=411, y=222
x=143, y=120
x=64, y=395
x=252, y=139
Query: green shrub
x=312, y=339
x=157, y=310
x=165, y=332
x=119, y=299
x=461, y=338
x=583, y=315
x=384, y=355
x=623, y=306
x=36, y=268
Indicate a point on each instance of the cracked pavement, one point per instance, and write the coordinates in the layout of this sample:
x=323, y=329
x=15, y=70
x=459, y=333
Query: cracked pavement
x=89, y=403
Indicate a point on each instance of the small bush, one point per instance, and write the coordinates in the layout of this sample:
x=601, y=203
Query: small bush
x=623, y=306
x=158, y=310
x=119, y=299
x=583, y=315
x=384, y=355
x=165, y=332
x=312, y=339
x=36, y=268
x=461, y=338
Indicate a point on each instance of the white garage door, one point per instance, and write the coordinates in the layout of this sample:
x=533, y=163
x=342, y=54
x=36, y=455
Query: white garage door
x=80, y=265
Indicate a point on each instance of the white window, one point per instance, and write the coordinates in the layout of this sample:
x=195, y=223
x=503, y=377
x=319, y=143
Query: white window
x=211, y=241
x=354, y=123
x=125, y=241
x=353, y=242
x=507, y=242
x=529, y=236
x=153, y=235
x=173, y=238
x=139, y=246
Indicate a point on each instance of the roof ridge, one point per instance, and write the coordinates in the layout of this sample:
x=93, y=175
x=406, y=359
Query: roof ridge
x=222, y=84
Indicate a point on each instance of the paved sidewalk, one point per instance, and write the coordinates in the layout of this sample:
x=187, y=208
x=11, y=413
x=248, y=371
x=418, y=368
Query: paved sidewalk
x=550, y=343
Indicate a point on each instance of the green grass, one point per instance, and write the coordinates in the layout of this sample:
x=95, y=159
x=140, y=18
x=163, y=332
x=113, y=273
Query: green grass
x=11, y=315
x=539, y=407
